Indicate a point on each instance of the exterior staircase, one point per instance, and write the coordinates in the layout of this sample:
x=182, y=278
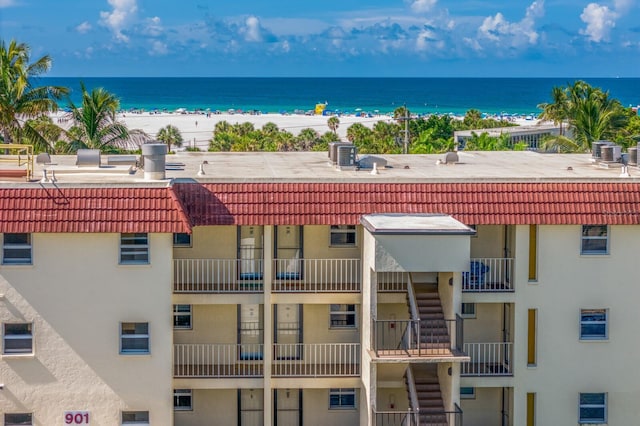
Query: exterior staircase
x=429, y=400
x=434, y=334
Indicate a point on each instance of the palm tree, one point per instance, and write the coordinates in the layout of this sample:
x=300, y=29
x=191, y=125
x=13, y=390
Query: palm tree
x=20, y=99
x=558, y=110
x=333, y=123
x=96, y=126
x=171, y=136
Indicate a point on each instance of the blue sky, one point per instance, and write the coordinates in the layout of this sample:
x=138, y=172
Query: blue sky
x=417, y=38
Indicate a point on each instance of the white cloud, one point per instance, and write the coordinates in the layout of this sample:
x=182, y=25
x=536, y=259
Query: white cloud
x=119, y=18
x=600, y=21
x=252, y=31
x=6, y=3
x=473, y=43
x=158, y=48
x=421, y=6
x=153, y=27
x=425, y=39
x=516, y=34
x=84, y=27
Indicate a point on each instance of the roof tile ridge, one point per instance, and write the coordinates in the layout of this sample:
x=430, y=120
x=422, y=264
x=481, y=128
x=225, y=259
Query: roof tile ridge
x=180, y=208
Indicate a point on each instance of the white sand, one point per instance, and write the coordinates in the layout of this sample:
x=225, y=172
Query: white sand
x=201, y=133
x=197, y=129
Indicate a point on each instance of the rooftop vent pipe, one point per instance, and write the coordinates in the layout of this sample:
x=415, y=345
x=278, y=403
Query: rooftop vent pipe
x=154, y=156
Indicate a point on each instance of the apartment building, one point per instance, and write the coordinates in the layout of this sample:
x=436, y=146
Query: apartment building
x=279, y=289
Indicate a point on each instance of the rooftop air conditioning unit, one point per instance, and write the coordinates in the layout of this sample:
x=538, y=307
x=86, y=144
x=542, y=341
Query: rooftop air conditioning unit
x=333, y=151
x=633, y=156
x=610, y=153
x=347, y=156
x=596, y=148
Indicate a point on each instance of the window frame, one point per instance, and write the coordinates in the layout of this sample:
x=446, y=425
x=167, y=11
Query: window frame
x=134, y=422
x=17, y=422
x=340, y=393
x=182, y=393
x=340, y=231
x=177, y=313
x=469, y=315
x=605, y=322
x=584, y=238
x=603, y=406
x=28, y=336
x=469, y=395
x=178, y=235
x=133, y=249
x=27, y=247
x=124, y=337
x=347, y=314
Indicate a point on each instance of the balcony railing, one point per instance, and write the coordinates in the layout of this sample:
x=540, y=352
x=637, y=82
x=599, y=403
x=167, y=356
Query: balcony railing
x=392, y=281
x=396, y=418
x=316, y=275
x=418, y=337
x=488, y=275
x=316, y=359
x=488, y=359
x=217, y=275
x=217, y=360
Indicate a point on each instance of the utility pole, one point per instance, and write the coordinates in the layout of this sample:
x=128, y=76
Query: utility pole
x=406, y=130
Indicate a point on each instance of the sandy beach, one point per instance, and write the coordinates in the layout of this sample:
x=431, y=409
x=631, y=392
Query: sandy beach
x=197, y=129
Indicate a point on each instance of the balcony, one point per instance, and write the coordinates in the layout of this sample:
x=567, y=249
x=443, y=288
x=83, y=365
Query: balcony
x=217, y=276
x=204, y=360
x=316, y=275
x=392, y=282
x=488, y=359
x=488, y=275
x=418, y=338
x=316, y=359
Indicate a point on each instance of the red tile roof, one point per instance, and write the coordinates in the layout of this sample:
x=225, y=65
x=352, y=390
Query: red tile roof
x=471, y=203
x=100, y=209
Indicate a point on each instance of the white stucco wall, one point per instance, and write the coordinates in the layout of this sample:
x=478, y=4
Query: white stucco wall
x=76, y=294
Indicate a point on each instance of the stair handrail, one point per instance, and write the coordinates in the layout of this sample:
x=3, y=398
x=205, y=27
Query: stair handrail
x=415, y=316
x=413, y=393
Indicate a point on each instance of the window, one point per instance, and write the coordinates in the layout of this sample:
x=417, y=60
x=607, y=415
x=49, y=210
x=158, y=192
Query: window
x=344, y=398
x=531, y=409
x=593, y=408
x=17, y=339
x=134, y=248
x=18, y=419
x=182, y=399
x=468, y=310
x=16, y=249
x=343, y=316
x=182, y=316
x=467, y=393
x=532, y=320
x=134, y=338
x=135, y=417
x=182, y=240
x=533, y=252
x=343, y=235
x=595, y=239
x=593, y=324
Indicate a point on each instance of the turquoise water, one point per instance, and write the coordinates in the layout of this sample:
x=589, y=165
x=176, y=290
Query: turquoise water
x=420, y=95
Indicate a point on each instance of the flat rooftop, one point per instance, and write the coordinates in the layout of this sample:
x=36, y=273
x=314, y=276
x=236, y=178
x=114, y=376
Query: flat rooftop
x=478, y=166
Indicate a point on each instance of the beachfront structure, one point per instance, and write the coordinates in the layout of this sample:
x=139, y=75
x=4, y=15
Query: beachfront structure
x=273, y=288
x=532, y=135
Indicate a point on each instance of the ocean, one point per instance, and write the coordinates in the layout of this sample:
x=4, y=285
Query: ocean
x=278, y=95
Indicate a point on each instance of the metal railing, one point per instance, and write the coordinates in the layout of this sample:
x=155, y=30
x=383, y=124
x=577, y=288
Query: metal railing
x=411, y=389
x=396, y=418
x=316, y=275
x=489, y=275
x=392, y=281
x=441, y=418
x=417, y=337
x=217, y=360
x=488, y=359
x=217, y=275
x=316, y=359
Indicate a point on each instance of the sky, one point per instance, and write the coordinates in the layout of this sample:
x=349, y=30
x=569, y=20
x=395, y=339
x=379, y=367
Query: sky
x=332, y=38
